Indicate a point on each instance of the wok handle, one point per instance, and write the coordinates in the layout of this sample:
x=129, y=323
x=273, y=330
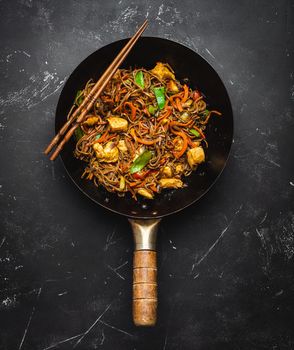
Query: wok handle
x=144, y=272
x=144, y=288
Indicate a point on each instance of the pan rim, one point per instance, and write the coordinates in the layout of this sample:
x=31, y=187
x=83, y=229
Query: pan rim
x=193, y=201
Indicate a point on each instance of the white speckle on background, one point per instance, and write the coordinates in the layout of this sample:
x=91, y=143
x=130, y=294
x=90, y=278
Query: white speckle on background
x=39, y=88
x=291, y=183
x=126, y=16
x=168, y=15
x=172, y=244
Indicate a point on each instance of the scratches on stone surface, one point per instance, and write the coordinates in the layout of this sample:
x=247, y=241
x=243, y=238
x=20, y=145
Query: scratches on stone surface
x=210, y=54
x=2, y=241
x=29, y=321
x=39, y=87
x=263, y=219
x=115, y=328
x=63, y=341
x=92, y=326
x=210, y=249
x=117, y=268
x=268, y=159
x=276, y=238
x=109, y=240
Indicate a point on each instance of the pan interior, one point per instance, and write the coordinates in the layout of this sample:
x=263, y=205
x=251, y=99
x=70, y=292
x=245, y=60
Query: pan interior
x=199, y=74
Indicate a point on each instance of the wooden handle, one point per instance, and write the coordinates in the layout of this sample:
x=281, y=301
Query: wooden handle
x=144, y=288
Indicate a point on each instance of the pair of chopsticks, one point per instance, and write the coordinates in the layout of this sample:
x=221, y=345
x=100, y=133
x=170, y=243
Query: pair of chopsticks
x=79, y=114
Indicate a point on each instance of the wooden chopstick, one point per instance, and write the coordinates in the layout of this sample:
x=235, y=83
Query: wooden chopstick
x=85, y=107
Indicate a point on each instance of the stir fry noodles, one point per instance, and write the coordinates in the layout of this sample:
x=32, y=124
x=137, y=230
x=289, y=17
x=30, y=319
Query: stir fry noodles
x=146, y=132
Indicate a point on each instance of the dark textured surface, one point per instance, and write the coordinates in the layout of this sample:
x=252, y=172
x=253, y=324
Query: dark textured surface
x=225, y=264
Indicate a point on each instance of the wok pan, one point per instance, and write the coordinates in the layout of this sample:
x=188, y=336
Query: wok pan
x=145, y=215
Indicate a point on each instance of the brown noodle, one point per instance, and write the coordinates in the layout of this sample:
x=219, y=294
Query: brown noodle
x=169, y=133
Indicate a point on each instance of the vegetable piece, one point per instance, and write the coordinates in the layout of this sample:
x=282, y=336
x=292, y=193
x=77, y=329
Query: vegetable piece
x=159, y=93
x=179, y=105
x=140, y=162
x=179, y=153
x=139, y=79
x=162, y=72
x=122, y=183
x=188, y=103
x=117, y=124
x=79, y=133
x=133, y=109
x=79, y=97
x=195, y=156
x=145, y=193
x=152, y=109
x=140, y=175
x=185, y=116
x=171, y=183
x=98, y=137
x=194, y=132
x=186, y=93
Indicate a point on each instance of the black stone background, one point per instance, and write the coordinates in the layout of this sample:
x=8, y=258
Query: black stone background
x=225, y=264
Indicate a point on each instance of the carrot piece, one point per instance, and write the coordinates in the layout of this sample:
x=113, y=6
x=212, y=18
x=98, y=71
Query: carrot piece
x=186, y=93
x=133, y=184
x=133, y=109
x=166, y=114
x=185, y=145
x=153, y=188
x=102, y=138
x=179, y=105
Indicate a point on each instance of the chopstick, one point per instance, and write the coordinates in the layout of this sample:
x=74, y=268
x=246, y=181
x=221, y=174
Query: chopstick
x=88, y=102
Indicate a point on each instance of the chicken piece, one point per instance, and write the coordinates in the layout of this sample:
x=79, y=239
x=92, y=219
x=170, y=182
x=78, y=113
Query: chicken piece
x=171, y=183
x=172, y=87
x=178, y=143
x=108, y=154
x=162, y=72
x=145, y=193
x=195, y=156
x=179, y=168
x=99, y=151
x=122, y=146
x=117, y=124
x=167, y=171
x=91, y=120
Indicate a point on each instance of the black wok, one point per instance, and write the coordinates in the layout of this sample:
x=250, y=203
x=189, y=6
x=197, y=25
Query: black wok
x=143, y=214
